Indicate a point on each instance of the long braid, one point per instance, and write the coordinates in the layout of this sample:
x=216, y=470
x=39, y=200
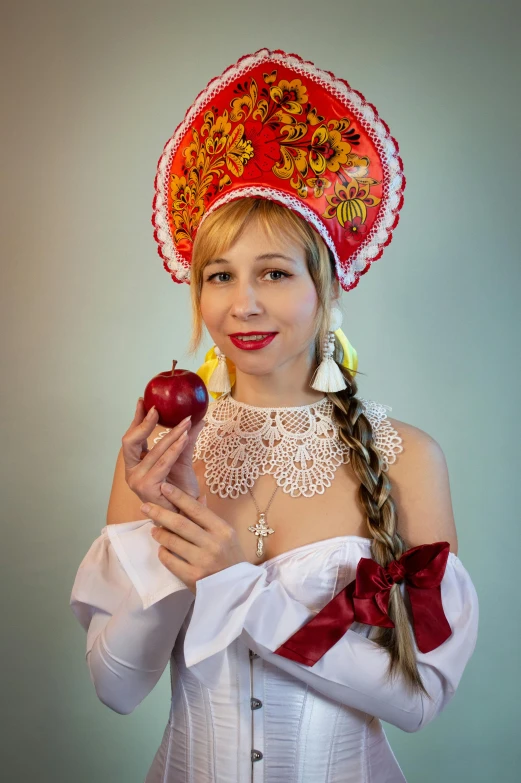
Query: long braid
x=356, y=431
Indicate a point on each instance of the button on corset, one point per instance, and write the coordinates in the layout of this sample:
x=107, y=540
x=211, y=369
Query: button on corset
x=255, y=703
x=256, y=755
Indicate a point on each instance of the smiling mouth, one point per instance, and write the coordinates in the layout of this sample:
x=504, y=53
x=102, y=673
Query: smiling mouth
x=252, y=337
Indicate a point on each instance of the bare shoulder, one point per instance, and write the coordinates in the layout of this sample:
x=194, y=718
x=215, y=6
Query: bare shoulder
x=409, y=433
x=420, y=488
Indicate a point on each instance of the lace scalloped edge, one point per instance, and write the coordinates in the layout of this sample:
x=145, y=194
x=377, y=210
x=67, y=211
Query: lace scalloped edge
x=386, y=439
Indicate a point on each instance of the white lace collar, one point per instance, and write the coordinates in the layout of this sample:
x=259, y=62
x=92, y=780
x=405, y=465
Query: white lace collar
x=299, y=446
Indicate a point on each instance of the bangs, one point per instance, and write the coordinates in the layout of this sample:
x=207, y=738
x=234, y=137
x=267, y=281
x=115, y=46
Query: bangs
x=222, y=228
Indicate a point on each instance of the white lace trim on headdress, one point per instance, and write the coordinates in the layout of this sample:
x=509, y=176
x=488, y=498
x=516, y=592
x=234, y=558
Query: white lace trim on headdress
x=299, y=446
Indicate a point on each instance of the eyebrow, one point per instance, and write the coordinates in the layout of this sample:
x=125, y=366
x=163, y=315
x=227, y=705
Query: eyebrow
x=263, y=257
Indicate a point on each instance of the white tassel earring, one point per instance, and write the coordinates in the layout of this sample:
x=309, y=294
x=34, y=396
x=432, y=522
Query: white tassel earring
x=328, y=376
x=219, y=380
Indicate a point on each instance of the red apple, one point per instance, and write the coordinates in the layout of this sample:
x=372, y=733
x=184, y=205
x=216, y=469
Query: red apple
x=176, y=395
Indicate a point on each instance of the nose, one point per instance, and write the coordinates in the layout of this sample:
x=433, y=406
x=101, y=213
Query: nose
x=245, y=301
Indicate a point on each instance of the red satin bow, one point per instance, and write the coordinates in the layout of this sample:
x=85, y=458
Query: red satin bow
x=366, y=600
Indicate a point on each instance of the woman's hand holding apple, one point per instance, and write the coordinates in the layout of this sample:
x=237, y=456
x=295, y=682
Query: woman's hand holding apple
x=170, y=460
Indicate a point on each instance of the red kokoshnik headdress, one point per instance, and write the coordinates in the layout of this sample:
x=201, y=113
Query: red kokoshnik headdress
x=275, y=126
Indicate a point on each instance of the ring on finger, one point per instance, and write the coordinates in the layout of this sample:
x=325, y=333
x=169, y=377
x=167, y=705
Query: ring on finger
x=179, y=442
x=183, y=426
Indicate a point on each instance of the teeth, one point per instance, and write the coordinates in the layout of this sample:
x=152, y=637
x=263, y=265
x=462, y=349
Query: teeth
x=250, y=337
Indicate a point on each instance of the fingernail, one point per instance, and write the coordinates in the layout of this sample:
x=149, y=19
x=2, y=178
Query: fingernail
x=145, y=508
x=150, y=413
x=166, y=488
x=185, y=420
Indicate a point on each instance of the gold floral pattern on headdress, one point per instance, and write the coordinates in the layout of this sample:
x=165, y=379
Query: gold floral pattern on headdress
x=278, y=131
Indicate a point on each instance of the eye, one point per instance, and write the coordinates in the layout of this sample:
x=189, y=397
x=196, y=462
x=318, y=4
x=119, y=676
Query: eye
x=270, y=272
x=277, y=272
x=215, y=275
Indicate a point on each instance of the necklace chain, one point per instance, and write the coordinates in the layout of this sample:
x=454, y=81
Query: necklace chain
x=256, y=506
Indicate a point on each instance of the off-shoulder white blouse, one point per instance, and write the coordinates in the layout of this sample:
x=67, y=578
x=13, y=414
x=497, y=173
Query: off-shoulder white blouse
x=240, y=712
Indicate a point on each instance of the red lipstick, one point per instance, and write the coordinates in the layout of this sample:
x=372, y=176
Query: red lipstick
x=252, y=345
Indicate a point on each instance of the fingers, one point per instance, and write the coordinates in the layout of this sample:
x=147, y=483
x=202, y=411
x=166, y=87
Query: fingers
x=164, y=503
x=170, y=444
x=134, y=441
x=146, y=422
x=160, y=460
x=194, y=509
x=172, y=547
x=172, y=526
x=157, y=463
x=143, y=425
x=195, y=429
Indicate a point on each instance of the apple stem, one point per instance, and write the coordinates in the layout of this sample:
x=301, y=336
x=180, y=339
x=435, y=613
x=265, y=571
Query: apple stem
x=173, y=365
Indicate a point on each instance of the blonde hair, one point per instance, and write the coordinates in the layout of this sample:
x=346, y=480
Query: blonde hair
x=217, y=233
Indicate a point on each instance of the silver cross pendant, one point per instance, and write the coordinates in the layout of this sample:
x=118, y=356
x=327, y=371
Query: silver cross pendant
x=261, y=530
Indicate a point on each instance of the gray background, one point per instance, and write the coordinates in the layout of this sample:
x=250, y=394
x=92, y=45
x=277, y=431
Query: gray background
x=91, y=93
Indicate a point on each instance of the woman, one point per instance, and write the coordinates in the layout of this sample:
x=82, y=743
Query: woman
x=350, y=605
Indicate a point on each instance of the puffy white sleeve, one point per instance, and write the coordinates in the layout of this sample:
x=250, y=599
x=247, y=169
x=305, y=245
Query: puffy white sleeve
x=240, y=602
x=132, y=608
